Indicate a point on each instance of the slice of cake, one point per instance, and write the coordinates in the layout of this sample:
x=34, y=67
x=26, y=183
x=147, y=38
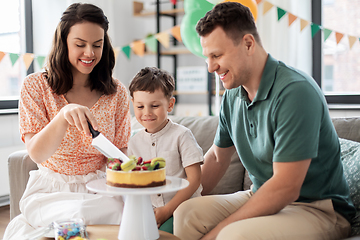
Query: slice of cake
x=150, y=173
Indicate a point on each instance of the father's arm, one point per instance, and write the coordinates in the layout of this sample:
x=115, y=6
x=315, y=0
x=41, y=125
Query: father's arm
x=216, y=161
x=280, y=190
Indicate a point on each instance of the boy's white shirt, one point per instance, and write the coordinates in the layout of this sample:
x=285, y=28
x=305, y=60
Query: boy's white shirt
x=177, y=145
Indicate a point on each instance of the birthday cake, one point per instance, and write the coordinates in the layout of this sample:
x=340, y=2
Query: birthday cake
x=136, y=173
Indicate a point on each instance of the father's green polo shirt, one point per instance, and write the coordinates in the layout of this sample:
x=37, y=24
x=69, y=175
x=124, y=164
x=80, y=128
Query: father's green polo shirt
x=287, y=121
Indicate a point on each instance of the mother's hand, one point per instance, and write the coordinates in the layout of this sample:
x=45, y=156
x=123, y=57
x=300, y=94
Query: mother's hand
x=78, y=115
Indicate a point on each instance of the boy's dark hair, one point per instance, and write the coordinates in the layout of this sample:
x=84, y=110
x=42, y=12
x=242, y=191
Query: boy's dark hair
x=58, y=67
x=150, y=79
x=235, y=18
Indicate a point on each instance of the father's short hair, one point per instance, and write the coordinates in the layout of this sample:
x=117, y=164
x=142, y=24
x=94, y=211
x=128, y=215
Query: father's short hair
x=234, y=18
x=150, y=79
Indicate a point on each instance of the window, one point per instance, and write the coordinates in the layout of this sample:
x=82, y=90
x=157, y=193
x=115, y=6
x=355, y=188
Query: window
x=12, y=46
x=342, y=16
x=339, y=57
x=11, y=68
x=328, y=81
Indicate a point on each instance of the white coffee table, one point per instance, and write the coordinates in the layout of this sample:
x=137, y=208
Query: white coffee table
x=138, y=219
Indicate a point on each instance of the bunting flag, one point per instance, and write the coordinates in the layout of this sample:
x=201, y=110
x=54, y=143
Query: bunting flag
x=40, y=61
x=281, y=12
x=258, y=1
x=303, y=24
x=327, y=33
x=314, y=29
x=338, y=37
x=116, y=52
x=352, y=40
x=151, y=43
x=138, y=47
x=127, y=51
x=2, y=55
x=291, y=18
x=175, y=31
x=267, y=6
x=28, y=59
x=164, y=39
x=14, y=57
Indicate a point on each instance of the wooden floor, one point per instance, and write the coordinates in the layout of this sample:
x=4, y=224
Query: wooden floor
x=4, y=219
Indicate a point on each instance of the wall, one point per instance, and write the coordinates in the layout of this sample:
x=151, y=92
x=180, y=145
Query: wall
x=344, y=113
x=9, y=142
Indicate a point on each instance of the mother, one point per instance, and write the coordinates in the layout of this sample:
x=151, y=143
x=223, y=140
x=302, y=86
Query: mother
x=55, y=105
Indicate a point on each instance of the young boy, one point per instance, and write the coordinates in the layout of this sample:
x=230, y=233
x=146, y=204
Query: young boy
x=151, y=94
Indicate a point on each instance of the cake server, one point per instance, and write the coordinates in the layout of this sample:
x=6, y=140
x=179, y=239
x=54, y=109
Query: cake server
x=101, y=143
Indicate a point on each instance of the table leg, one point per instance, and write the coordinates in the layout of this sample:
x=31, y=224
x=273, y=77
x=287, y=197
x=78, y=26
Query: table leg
x=138, y=221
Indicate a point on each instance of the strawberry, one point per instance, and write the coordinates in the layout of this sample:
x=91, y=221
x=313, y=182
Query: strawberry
x=144, y=168
x=139, y=160
x=114, y=164
x=147, y=162
x=137, y=168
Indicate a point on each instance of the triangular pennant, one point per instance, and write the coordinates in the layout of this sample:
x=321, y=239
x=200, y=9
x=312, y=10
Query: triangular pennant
x=281, y=12
x=164, y=39
x=352, y=40
x=40, y=61
x=303, y=24
x=267, y=6
x=173, y=1
x=2, y=55
x=258, y=1
x=338, y=37
x=175, y=31
x=151, y=43
x=292, y=18
x=126, y=50
x=138, y=47
x=327, y=33
x=14, y=57
x=314, y=29
x=28, y=59
x=116, y=52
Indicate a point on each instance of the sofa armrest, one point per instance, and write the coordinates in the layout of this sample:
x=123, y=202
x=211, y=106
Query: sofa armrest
x=19, y=166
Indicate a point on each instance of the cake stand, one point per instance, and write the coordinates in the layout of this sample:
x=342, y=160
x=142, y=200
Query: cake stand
x=138, y=220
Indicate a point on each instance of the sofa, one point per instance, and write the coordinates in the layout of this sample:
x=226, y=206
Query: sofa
x=236, y=177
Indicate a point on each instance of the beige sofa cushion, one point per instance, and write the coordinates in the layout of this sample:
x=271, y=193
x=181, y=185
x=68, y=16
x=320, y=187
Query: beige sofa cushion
x=348, y=128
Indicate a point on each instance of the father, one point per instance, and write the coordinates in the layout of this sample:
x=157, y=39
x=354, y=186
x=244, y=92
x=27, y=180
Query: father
x=277, y=120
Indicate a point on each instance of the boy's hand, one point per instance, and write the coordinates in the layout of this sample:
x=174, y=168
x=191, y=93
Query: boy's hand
x=161, y=215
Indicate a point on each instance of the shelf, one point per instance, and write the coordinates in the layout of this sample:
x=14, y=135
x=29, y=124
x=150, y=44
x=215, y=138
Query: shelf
x=221, y=92
x=171, y=52
x=138, y=11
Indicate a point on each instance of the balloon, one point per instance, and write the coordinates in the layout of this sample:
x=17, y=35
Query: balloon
x=214, y=1
x=194, y=10
x=251, y=4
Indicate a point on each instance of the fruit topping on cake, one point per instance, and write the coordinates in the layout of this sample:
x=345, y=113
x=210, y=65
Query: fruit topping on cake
x=136, y=164
x=136, y=173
